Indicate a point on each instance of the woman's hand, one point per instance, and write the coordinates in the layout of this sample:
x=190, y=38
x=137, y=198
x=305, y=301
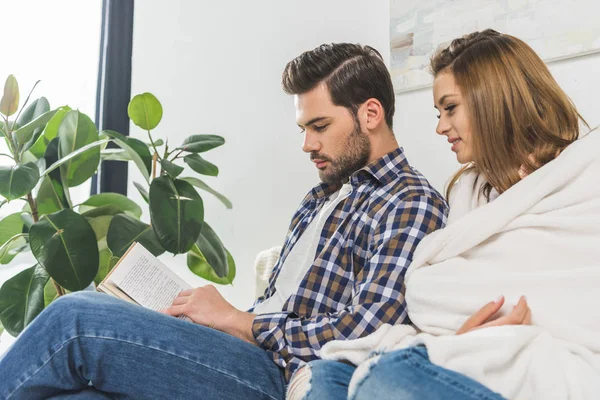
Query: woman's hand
x=520, y=315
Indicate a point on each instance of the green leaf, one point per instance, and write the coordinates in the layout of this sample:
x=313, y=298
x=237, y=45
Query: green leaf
x=200, y=267
x=103, y=199
x=18, y=180
x=50, y=132
x=50, y=197
x=10, y=226
x=22, y=298
x=200, y=165
x=13, y=237
x=51, y=158
x=145, y=111
x=33, y=110
x=200, y=184
x=171, y=168
x=201, y=143
x=157, y=143
x=107, y=263
x=100, y=225
x=114, y=155
x=49, y=293
x=37, y=108
x=124, y=230
x=12, y=247
x=76, y=132
x=137, y=151
x=213, y=250
x=142, y=191
x=1, y=328
x=27, y=219
x=10, y=99
x=76, y=153
x=109, y=209
x=176, y=212
x=40, y=162
x=26, y=132
x=64, y=243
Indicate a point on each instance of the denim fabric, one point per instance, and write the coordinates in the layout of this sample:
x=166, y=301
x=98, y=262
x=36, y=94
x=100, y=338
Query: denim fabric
x=401, y=375
x=328, y=380
x=128, y=352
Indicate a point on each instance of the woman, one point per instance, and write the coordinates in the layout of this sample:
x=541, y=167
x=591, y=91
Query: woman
x=524, y=221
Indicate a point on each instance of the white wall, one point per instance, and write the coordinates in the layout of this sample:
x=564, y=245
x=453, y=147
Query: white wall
x=216, y=68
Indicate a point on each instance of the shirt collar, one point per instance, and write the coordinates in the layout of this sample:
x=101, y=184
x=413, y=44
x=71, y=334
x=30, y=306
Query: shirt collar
x=384, y=170
x=324, y=189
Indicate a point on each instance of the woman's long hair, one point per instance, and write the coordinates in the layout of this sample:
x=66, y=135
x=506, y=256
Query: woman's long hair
x=520, y=117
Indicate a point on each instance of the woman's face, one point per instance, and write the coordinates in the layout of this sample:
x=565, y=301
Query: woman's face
x=454, y=121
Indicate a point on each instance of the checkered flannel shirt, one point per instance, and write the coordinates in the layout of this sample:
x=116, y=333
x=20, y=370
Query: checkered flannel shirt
x=356, y=281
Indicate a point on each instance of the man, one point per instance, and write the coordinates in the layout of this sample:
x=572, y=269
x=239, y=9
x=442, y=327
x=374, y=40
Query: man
x=340, y=272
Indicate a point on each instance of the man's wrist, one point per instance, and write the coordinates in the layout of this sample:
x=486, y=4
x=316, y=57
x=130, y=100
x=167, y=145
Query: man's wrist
x=239, y=324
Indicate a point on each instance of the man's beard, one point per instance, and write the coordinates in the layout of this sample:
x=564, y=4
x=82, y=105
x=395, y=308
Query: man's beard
x=354, y=156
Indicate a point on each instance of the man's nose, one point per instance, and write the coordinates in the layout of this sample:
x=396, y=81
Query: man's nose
x=311, y=144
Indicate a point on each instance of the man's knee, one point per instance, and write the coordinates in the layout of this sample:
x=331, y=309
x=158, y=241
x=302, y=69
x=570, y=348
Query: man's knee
x=73, y=304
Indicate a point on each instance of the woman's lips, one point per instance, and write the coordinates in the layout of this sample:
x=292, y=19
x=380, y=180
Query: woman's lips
x=455, y=142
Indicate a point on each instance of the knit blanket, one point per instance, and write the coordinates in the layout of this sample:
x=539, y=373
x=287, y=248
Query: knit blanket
x=541, y=239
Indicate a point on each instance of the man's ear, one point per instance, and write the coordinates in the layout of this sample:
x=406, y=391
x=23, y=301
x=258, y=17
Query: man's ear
x=372, y=113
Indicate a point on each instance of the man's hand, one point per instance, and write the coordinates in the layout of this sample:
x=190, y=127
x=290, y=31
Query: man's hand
x=520, y=315
x=205, y=306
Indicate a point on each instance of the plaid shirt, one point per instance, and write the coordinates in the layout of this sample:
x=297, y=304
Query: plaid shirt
x=356, y=281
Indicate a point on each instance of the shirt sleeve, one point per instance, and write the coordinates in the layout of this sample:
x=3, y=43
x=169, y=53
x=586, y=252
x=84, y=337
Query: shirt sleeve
x=378, y=286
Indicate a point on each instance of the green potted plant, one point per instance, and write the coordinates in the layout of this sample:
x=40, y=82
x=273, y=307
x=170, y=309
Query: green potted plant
x=76, y=245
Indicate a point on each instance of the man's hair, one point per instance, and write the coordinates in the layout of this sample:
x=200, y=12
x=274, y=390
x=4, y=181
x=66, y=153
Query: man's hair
x=353, y=74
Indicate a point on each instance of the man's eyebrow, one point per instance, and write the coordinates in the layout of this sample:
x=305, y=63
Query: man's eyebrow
x=312, y=121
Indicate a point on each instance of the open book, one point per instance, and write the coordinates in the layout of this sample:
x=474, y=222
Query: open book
x=141, y=278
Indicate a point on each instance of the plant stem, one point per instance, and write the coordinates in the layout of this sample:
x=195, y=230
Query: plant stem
x=166, y=154
x=177, y=155
x=7, y=155
x=59, y=290
x=154, y=158
x=33, y=206
x=152, y=143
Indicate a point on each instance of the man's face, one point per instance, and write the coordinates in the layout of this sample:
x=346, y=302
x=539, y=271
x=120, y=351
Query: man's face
x=332, y=136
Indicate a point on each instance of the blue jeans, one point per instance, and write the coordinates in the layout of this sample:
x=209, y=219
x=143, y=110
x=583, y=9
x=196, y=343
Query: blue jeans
x=93, y=346
x=401, y=375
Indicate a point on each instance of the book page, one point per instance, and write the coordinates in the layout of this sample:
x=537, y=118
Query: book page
x=146, y=279
x=108, y=288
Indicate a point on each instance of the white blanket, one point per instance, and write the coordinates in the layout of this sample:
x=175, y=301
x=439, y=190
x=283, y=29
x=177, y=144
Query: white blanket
x=541, y=238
